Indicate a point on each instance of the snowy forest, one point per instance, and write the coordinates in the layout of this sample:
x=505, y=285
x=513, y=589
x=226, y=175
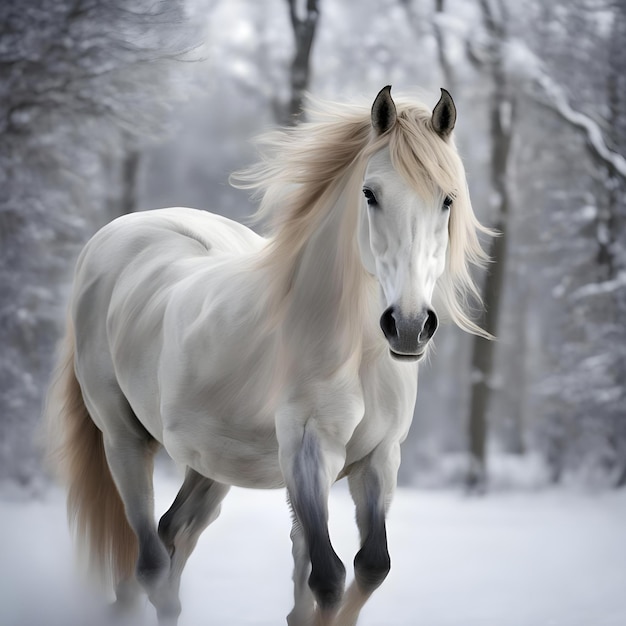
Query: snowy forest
x=125, y=105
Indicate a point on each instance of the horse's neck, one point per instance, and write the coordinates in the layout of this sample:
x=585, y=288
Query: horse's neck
x=331, y=295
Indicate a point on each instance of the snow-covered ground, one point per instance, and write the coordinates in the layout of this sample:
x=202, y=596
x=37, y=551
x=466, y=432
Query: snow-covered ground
x=544, y=558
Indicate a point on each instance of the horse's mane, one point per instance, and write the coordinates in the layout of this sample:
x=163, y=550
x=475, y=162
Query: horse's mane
x=304, y=169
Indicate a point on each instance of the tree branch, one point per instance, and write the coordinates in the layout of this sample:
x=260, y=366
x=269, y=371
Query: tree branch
x=558, y=102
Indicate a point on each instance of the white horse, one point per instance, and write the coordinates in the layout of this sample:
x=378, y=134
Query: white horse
x=287, y=361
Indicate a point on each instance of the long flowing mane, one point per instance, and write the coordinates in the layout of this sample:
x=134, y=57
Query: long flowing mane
x=303, y=170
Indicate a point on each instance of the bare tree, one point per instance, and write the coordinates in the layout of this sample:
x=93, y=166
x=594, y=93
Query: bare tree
x=501, y=118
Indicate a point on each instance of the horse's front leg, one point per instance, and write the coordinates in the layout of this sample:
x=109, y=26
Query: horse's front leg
x=372, y=483
x=308, y=472
x=311, y=455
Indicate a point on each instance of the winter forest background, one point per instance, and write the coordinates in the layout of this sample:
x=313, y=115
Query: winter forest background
x=118, y=106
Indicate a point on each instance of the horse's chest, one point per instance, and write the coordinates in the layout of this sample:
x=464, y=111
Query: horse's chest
x=389, y=395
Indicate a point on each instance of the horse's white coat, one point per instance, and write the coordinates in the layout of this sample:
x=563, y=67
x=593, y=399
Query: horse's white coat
x=179, y=333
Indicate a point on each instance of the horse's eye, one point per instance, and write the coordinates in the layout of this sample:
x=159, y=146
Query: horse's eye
x=447, y=202
x=370, y=197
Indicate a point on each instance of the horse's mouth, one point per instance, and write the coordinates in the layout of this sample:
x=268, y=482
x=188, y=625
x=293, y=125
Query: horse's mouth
x=407, y=357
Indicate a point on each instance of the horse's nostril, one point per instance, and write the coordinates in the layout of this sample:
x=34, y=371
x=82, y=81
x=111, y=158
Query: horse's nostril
x=388, y=324
x=430, y=326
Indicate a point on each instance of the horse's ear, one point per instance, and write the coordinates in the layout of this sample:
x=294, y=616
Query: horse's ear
x=444, y=115
x=383, y=111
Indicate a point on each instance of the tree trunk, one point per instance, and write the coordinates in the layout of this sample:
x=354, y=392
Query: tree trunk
x=300, y=74
x=130, y=172
x=482, y=363
x=444, y=63
x=616, y=218
x=502, y=115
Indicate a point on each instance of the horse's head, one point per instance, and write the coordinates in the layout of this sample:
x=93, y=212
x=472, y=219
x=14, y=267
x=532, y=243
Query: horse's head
x=404, y=231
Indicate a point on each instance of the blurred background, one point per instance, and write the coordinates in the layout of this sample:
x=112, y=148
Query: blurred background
x=125, y=105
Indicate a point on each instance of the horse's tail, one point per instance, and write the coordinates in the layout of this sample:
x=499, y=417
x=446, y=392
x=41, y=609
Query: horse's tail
x=76, y=450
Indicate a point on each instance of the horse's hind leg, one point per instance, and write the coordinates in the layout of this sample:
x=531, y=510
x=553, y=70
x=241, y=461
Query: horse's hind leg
x=130, y=454
x=196, y=505
x=128, y=592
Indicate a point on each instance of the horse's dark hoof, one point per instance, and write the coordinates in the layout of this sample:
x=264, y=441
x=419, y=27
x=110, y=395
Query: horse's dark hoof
x=328, y=584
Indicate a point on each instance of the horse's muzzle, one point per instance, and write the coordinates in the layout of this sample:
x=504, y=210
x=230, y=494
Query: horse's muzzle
x=408, y=336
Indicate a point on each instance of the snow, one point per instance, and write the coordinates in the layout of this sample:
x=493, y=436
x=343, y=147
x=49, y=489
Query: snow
x=532, y=558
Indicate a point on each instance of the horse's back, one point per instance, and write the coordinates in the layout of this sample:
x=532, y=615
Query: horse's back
x=124, y=280
x=187, y=232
